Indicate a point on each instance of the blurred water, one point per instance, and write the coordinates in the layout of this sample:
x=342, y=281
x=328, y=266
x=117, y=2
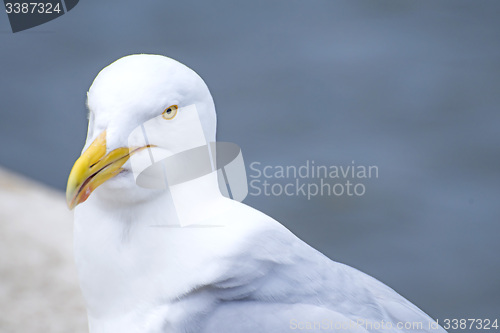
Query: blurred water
x=412, y=87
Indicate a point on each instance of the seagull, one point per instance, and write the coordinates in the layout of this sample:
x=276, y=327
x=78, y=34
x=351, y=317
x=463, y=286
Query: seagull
x=157, y=253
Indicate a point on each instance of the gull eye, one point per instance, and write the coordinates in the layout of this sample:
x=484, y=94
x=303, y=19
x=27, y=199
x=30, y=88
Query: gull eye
x=170, y=112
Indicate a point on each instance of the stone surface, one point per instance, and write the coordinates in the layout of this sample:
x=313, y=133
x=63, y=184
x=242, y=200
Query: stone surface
x=39, y=289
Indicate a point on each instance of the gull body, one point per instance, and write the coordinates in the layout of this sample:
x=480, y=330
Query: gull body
x=228, y=267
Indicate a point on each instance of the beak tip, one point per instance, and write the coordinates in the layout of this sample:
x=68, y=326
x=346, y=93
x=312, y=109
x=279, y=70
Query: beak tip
x=70, y=202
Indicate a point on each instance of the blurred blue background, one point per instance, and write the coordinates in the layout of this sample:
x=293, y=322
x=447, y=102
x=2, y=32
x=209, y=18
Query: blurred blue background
x=410, y=86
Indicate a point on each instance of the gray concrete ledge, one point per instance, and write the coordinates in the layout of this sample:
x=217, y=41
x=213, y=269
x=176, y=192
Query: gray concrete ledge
x=39, y=289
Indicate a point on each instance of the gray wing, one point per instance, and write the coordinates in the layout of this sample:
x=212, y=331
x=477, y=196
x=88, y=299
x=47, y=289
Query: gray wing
x=281, y=284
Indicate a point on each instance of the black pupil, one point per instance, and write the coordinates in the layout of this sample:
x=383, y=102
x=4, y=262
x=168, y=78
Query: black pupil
x=169, y=110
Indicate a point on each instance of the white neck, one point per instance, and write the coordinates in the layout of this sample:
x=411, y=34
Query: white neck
x=119, y=247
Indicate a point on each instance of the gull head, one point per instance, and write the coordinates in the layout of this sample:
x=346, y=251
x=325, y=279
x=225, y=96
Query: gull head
x=140, y=107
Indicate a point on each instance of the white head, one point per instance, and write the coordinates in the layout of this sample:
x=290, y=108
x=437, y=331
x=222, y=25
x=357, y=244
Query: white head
x=129, y=93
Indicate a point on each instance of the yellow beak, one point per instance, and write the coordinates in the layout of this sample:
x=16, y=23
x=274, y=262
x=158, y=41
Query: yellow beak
x=93, y=168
